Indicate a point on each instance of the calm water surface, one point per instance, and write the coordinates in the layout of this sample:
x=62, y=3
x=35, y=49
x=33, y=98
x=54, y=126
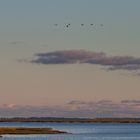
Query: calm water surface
x=80, y=131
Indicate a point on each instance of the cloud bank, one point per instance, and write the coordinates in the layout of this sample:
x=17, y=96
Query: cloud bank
x=76, y=108
x=87, y=57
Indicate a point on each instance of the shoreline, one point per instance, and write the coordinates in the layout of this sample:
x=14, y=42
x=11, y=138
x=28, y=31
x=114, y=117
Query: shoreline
x=99, y=120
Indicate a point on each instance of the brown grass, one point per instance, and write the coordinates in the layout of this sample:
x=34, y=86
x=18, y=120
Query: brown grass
x=4, y=130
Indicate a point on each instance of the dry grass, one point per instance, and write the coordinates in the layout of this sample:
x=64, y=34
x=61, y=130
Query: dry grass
x=4, y=130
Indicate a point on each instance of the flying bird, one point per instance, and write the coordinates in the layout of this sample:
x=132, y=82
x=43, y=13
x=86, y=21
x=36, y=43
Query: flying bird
x=101, y=25
x=67, y=25
x=55, y=24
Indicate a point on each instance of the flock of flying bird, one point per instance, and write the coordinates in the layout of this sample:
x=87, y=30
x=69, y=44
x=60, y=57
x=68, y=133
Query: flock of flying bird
x=82, y=24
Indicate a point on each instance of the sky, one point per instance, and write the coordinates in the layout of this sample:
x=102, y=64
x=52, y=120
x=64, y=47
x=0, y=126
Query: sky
x=69, y=58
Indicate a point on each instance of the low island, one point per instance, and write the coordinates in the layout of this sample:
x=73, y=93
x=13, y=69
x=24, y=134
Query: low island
x=24, y=131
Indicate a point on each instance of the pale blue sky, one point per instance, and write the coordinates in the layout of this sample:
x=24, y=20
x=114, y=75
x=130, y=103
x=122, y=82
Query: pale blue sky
x=36, y=19
x=19, y=12
x=27, y=27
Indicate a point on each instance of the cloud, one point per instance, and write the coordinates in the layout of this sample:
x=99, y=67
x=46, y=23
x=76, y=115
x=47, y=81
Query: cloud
x=87, y=57
x=126, y=67
x=66, y=57
x=76, y=108
x=107, y=108
x=77, y=102
x=132, y=102
x=16, y=43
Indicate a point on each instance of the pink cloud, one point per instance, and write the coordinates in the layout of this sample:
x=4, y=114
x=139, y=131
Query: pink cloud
x=75, y=108
x=81, y=56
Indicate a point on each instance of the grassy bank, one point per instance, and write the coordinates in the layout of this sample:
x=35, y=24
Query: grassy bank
x=4, y=130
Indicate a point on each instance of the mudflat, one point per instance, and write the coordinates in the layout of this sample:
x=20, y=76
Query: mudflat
x=5, y=130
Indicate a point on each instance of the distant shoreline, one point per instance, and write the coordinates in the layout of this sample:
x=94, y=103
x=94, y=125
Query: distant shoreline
x=73, y=120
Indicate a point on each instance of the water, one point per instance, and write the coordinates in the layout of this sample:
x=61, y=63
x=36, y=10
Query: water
x=80, y=131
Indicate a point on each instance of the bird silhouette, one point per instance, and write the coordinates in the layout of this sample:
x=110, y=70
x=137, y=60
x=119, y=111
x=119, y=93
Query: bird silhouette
x=101, y=25
x=55, y=24
x=67, y=25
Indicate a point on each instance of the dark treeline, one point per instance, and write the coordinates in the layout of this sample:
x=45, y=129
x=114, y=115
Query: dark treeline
x=71, y=120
